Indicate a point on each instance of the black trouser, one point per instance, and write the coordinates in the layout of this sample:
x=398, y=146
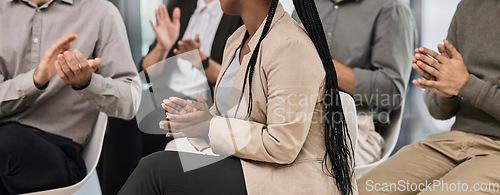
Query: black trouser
x=163, y=173
x=33, y=161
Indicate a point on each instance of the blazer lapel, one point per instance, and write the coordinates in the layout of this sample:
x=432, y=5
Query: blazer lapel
x=230, y=51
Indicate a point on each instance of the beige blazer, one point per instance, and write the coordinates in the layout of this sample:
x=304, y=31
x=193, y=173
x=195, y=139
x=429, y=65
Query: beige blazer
x=282, y=143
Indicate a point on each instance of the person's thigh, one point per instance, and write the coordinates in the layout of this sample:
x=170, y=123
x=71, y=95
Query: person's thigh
x=478, y=175
x=410, y=167
x=31, y=163
x=164, y=173
x=2, y=187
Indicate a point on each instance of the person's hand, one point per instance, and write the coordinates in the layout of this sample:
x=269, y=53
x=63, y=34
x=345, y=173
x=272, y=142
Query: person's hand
x=46, y=69
x=186, y=118
x=445, y=74
x=421, y=72
x=426, y=76
x=76, y=73
x=187, y=44
x=167, y=31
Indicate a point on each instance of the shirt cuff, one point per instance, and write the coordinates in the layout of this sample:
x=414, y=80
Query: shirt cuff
x=94, y=89
x=199, y=143
x=471, y=89
x=362, y=84
x=27, y=86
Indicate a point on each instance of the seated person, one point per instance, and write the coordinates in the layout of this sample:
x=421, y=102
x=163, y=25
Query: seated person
x=195, y=24
x=49, y=102
x=182, y=26
x=462, y=81
x=289, y=138
x=371, y=43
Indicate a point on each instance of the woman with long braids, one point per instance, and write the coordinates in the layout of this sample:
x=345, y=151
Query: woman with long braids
x=277, y=116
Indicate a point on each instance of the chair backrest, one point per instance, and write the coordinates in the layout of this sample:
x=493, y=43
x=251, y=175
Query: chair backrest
x=349, y=108
x=90, y=155
x=390, y=135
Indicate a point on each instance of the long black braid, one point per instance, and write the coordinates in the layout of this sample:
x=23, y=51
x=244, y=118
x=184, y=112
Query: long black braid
x=337, y=159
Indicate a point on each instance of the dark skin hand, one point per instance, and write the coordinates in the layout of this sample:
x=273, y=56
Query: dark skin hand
x=192, y=118
x=444, y=73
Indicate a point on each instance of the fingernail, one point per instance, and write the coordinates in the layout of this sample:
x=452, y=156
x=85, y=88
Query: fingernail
x=418, y=55
x=422, y=49
x=419, y=63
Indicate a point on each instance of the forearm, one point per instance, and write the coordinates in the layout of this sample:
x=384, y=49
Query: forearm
x=383, y=82
x=156, y=55
x=345, y=76
x=440, y=107
x=116, y=97
x=17, y=94
x=483, y=95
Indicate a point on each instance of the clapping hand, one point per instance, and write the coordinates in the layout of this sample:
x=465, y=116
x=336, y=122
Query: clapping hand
x=76, y=73
x=444, y=74
x=186, y=118
x=46, y=69
x=187, y=44
x=167, y=31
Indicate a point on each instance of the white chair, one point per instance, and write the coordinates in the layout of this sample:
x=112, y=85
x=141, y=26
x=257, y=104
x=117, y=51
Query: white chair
x=349, y=108
x=390, y=136
x=90, y=155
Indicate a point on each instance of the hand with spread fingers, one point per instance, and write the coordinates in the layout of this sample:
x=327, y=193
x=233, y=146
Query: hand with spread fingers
x=443, y=73
x=187, y=44
x=167, y=30
x=73, y=72
x=46, y=69
x=186, y=118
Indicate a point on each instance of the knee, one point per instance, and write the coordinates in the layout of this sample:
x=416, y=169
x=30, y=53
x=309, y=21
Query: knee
x=159, y=162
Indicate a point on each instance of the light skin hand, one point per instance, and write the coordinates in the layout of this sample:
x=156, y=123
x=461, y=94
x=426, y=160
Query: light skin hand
x=186, y=118
x=76, y=73
x=46, y=69
x=449, y=70
x=167, y=30
x=187, y=45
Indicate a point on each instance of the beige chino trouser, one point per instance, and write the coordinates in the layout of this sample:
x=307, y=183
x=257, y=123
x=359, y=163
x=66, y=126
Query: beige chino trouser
x=446, y=163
